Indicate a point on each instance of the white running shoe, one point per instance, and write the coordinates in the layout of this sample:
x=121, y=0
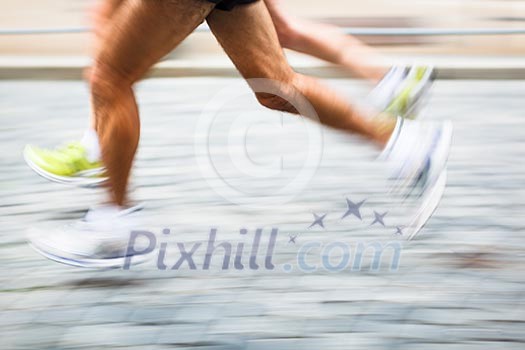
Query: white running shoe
x=385, y=91
x=417, y=153
x=100, y=240
x=416, y=157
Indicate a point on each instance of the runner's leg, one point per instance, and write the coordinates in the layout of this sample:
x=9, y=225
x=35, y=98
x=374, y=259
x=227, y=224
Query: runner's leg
x=140, y=33
x=99, y=16
x=325, y=42
x=248, y=36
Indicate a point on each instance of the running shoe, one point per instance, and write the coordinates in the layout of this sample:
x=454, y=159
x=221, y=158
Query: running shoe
x=66, y=165
x=403, y=91
x=411, y=94
x=385, y=91
x=417, y=153
x=416, y=157
x=100, y=240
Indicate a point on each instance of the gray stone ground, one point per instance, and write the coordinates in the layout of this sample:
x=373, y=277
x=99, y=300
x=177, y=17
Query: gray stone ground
x=460, y=285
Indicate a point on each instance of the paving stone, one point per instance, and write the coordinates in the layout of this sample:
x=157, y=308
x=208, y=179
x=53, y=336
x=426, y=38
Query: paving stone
x=110, y=335
x=61, y=315
x=199, y=312
x=108, y=314
x=286, y=344
x=183, y=334
x=17, y=317
x=465, y=346
x=262, y=327
x=154, y=315
x=39, y=336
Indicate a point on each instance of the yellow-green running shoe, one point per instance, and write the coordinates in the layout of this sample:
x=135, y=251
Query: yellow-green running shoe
x=66, y=165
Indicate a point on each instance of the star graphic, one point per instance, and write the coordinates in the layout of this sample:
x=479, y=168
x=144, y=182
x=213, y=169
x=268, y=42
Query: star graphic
x=353, y=208
x=318, y=220
x=379, y=218
x=292, y=239
x=399, y=231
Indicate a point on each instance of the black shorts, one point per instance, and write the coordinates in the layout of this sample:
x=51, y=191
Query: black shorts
x=227, y=5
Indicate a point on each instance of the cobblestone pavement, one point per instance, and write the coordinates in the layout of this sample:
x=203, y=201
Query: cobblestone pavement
x=460, y=285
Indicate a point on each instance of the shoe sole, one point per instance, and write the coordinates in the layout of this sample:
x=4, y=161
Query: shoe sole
x=435, y=190
x=87, y=262
x=442, y=151
x=428, y=208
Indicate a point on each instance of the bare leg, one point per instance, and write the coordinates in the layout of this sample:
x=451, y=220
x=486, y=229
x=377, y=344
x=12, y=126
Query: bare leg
x=325, y=42
x=249, y=38
x=100, y=15
x=140, y=33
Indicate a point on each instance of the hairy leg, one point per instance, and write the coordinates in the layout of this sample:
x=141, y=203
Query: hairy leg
x=325, y=42
x=138, y=35
x=100, y=14
x=249, y=38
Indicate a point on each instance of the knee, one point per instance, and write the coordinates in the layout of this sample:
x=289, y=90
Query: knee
x=273, y=101
x=282, y=95
x=106, y=82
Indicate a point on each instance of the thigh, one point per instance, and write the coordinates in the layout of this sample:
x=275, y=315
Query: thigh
x=142, y=31
x=248, y=36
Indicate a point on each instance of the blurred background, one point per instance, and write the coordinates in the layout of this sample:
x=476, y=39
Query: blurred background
x=201, y=52
x=460, y=286
x=350, y=13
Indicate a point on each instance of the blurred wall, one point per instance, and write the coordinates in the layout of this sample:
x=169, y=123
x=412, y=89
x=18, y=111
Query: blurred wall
x=412, y=13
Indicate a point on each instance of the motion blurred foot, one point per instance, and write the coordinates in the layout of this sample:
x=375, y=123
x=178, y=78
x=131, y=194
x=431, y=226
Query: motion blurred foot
x=69, y=164
x=417, y=154
x=100, y=240
x=403, y=91
x=416, y=157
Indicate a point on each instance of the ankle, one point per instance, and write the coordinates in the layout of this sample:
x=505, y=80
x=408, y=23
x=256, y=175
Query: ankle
x=91, y=144
x=384, y=129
